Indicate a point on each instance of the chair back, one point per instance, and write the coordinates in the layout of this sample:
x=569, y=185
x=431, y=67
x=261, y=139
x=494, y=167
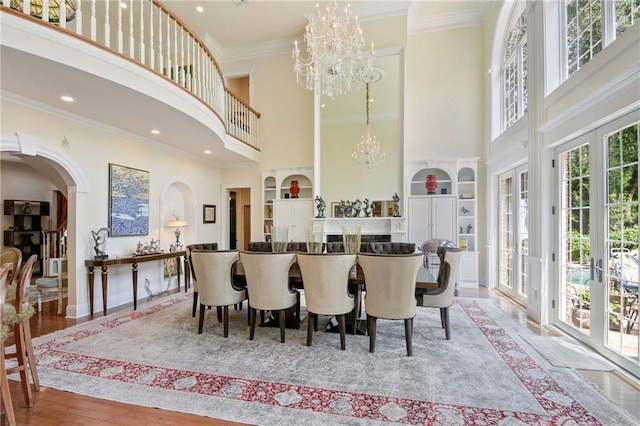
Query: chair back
x=260, y=246
x=190, y=248
x=213, y=269
x=442, y=297
x=6, y=270
x=267, y=276
x=24, y=281
x=326, y=280
x=12, y=255
x=390, y=282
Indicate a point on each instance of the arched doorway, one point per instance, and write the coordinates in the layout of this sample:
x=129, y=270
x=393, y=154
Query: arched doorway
x=62, y=174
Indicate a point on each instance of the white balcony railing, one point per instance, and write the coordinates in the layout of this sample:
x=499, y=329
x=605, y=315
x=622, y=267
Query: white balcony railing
x=148, y=33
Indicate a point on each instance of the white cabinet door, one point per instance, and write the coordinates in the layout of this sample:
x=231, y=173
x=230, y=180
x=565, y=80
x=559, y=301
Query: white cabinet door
x=468, y=273
x=296, y=214
x=432, y=217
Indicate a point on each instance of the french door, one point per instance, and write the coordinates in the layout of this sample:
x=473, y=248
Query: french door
x=597, y=249
x=513, y=238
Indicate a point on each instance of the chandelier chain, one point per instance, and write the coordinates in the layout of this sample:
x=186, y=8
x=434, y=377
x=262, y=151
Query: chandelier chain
x=367, y=153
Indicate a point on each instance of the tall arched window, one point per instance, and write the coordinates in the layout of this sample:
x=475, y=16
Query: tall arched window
x=591, y=25
x=514, y=66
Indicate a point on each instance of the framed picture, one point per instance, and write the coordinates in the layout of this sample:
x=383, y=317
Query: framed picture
x=337, y=210
x=208, y=213
x=128, y=201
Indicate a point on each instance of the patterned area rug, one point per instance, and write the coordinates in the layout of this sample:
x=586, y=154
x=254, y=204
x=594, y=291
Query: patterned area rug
x=486, y=374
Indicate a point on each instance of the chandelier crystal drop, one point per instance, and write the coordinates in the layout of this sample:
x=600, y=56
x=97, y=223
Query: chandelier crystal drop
x=335, y=62
x=367, y=153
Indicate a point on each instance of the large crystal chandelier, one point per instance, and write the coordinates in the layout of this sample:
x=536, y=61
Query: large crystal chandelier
x=335, y=62
x=367, y=153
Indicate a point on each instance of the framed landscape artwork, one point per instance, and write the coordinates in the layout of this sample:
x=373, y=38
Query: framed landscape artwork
x=128, y=201
x=208, y=213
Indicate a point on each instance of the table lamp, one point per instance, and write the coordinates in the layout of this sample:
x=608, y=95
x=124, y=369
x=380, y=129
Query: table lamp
x=177, y=223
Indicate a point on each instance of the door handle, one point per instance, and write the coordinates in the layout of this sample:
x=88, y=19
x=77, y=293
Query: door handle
x=595, y=268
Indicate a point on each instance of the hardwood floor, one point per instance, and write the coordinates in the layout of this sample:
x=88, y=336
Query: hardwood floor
x=54, y=407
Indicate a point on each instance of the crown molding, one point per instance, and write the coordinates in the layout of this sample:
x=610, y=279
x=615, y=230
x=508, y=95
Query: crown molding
x=449, y=21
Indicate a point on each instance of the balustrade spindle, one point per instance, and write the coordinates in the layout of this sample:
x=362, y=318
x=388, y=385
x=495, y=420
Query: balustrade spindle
x=107, y=25
x=176, y=65
x=190, y=68
x=168, y=66
x=93, y=29
x=152, y=52
x=132, y=49
x=142, y=51
x=45, y=11
x=62, y=11
x=160, y=54
x=120, y=33
x=79, y=18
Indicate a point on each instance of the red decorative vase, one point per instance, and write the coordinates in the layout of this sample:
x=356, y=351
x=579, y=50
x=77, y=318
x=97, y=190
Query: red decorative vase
x=431, y=184
x=294, y=189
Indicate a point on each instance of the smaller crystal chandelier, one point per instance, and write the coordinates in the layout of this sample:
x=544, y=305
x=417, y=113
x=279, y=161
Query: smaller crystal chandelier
x=367, y=153
x=335, y=62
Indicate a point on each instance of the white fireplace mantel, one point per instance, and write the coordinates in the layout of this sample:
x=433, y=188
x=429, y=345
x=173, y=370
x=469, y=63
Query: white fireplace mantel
x=393, y=226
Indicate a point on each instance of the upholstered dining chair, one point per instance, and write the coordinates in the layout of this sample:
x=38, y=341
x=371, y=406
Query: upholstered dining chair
x=12, y=255
x=215, y=284
x=390, y=281
x=190, y=278
x=16, y=314
x=6, y=270
x=267, y=276
x=442, y=296
x=326, y=279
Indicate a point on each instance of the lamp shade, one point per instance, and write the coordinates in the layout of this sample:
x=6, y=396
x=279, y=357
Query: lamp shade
x=177, y=224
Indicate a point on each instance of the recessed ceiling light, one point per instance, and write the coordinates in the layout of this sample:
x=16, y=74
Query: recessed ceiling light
x=200, y=9
x=207, y=152
x=67, y=98
x=155, y=132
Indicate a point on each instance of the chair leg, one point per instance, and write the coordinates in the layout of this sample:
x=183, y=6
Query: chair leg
x=252, y=328
x=283, y=322
x=21, y=352
x=225, y=320
x=442, y=324
x=6, y=393
x=371, y=323
x=315, y=322
x=201, y=318
x=408, y=335
x=342, y=326
x=297, y=309
x=30, y=355
x=219, y=313
x=311, y=318
x=447, y=332
x=195, y=304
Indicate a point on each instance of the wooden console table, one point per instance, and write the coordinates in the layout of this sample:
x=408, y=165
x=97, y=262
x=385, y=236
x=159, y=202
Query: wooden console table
x=104, y=264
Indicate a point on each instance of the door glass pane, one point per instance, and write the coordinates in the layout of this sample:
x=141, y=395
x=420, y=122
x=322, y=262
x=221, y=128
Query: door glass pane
x=506, y=233
x=574, y=234
x=623, y=265
x=523, y=233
